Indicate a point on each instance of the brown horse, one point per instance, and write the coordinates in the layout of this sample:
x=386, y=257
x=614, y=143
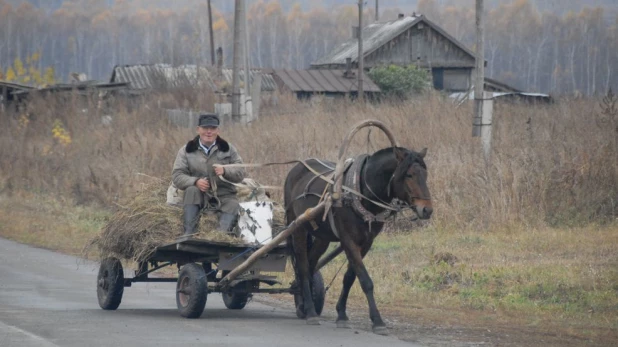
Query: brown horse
x=389, y=174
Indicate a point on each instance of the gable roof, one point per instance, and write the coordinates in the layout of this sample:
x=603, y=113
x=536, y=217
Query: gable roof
x=322, y=81
x=377, y=35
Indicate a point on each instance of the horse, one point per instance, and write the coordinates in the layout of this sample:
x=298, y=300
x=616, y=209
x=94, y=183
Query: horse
x=393, y=173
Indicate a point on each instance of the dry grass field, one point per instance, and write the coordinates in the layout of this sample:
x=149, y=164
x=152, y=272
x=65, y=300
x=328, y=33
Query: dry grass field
x=532, y=234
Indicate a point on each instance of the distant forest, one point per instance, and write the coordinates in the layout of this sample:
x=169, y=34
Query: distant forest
x=553, y=46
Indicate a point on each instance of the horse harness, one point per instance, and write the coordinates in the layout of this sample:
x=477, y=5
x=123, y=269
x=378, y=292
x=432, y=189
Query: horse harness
x=352, y=173
x=352, y=180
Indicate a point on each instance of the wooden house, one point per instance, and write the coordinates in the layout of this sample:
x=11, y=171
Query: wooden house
x=405, y=41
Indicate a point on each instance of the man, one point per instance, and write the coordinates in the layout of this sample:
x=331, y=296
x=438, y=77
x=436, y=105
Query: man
x=195, y=174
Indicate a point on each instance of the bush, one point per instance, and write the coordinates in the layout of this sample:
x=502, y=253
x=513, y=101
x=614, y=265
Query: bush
x=400, y=82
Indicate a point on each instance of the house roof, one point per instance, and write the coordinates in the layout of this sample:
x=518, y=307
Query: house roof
x=500, y=86
x=153, y=76
x=75, y=87
x=268, y=83
x=323, y=81
x=461, y=97
x=377, y=35
x=12, y=89
x=14, y=86
x=20, y=91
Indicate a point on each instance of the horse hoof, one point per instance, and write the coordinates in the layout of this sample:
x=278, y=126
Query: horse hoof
x=343, y=324
x=300, y=314
x=313, y=321
x=380, y=330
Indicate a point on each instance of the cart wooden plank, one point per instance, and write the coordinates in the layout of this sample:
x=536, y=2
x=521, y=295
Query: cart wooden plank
x=199, y=250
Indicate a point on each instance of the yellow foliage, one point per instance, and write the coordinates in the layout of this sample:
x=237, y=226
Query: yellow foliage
x=49, y=77
x=220, y=24
x=10, y=74
x=35, y=74
x=61, y=134
x=19, y=67
x=295, y=14
x=29, y=74
x=273, y=9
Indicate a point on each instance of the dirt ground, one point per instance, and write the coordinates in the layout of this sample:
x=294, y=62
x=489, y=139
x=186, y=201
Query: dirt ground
x=455, y=328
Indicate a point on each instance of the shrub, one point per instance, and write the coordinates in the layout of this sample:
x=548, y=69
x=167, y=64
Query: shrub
x=400, y=82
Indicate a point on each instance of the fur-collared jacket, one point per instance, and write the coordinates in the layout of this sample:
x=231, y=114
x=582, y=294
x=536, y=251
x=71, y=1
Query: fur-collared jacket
x=192, y=163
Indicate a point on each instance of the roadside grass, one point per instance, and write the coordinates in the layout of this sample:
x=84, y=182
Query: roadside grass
x=50, y=223
x=564, y=278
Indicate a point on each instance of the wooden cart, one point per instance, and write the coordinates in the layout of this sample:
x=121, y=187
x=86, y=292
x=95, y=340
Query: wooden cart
x=241, y=269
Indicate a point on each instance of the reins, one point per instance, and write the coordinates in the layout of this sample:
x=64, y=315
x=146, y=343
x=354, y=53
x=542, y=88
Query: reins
x=312, y=170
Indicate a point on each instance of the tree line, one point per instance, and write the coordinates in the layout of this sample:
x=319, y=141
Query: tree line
x=574, y=52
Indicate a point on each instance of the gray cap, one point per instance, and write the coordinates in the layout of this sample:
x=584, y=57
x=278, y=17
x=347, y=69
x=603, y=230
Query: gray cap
x=209, y=120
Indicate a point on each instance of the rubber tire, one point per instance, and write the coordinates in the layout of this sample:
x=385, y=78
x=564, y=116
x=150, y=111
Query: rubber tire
x=110, y=292
x=191, y=278
x=234, y=301
x=319, y=295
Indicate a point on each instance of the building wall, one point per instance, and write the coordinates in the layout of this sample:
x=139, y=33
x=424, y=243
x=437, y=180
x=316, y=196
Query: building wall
x=451, y=66
x=457, y=79
x=420, y=45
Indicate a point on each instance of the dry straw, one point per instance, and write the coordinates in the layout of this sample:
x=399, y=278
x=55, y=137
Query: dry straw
x=146, y=221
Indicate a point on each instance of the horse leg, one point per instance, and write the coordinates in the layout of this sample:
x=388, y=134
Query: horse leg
x=303, y=279
x=348, y=281
x=318, y=248
x=355, y=256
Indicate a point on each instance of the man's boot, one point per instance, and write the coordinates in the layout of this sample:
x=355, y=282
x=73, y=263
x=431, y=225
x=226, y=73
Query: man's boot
x=191, y=218
x=227, y=222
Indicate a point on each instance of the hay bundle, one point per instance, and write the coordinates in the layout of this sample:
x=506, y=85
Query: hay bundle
x=146, y=222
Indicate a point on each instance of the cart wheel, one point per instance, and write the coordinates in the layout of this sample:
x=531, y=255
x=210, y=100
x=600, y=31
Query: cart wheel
x=191, y=291
x=234, y=301
x=110, y=283
x=319, y=293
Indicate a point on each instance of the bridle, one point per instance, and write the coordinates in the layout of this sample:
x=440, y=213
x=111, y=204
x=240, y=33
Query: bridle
x=389, y=187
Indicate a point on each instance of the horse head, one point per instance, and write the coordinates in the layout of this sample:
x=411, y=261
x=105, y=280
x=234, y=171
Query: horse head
x=409, y=181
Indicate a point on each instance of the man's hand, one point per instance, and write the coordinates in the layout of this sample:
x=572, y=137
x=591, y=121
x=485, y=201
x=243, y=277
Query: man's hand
x=202, y=184
x=219, y=170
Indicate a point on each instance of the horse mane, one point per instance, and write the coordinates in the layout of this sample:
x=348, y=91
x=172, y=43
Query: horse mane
x=411, y=157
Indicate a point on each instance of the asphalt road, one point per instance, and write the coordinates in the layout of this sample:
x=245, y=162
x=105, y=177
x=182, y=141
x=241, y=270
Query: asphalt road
x=49, y=299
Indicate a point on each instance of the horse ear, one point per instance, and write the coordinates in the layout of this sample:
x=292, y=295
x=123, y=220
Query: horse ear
x=400, y=155
x=423, y=152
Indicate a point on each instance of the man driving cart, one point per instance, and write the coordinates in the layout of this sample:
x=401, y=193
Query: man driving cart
x=195, y=172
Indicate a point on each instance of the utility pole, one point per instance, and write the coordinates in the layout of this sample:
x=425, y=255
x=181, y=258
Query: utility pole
x=212, y=36
x=248, y=101
x=377, y=10
x=238, y=14
x=481, y=123
x=361, y=59
x=479, y=81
